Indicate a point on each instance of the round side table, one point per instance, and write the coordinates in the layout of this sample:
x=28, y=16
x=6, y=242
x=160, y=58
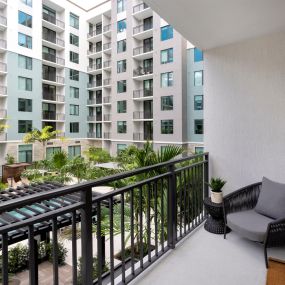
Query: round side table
x=215, y=222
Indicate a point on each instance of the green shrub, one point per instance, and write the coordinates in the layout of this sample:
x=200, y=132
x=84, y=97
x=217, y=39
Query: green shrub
x=10, y=159
x=18, y=257
x=45, y=251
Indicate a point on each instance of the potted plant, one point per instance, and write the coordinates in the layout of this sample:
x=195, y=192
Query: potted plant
x=216, y=185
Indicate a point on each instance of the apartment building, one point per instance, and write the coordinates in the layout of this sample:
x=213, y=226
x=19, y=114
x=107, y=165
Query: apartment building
x=110, y=75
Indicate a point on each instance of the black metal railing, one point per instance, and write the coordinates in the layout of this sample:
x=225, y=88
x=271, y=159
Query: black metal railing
x=53, y=58
x=142, y=49
x=143, y=115
x=142, y=28
x=53, y=20
x=142, y=93
x=140, y=7
x=143, y=71
x=150, y=215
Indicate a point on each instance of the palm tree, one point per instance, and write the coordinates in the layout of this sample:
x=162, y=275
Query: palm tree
x=43, y=136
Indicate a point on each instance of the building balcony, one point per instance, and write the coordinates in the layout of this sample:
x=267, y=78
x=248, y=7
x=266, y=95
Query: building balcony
x=94, y=68
x=3, y=23
x=142, y=11
x=142, y=32
x=94, y=101
x=3, y=68
x=3, y=4
x=55, y=79
x=143, y=73
x=94, y=135
x=53, y=23
x=53, y=42
x=142, y=116
x=94, y=118
x=94, y=52
x=107, y=65
x=52, y=116
x=3, y=91
x=53, y=60
x=55, y=98
x=107, y=47
x=3, y=45
x=142, y=137
x=94, y=85
x=95, y=36
x=107, y=100
x=143, y=52
x=107, y=117
x=3, y=114
x=142, y=94
x=107, y=82
x=107, y=30
x=107, y=136
x=3, y=137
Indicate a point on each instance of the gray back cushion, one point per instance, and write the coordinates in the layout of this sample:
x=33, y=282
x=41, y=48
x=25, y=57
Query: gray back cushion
x=271, y=201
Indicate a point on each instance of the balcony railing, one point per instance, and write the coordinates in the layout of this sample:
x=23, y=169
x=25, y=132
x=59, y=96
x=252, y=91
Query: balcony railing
x=159, y=209
x=3, y=44
x=94, y=84
x=52, y=77
x=107, y=28
x=107, y=136
x=53, y=97
x=53, y=58
x=141, y=28
x=94, y=50
x=3, y=90
x=3, y=137
x=140, y=7
x=3, y=113
x=107, y=117
x=92, y=118
x=54, y=40
x=94, y=67
x=3, y=20
x=140, y=71
x=142, y=49
x=107, y=64
x=94, y=33
x=141, y=115
x=142, y=93
x=107, y=81
x=106, y=46
x=107, y=99
x=53, y=20
x=53, y=116
x=3, y=67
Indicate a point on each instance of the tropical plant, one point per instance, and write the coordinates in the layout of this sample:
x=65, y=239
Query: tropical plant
x=41, y=136
x=10, y=159
x=77, y=167
x=97, y=155
x=45, y=250
x=216, y=184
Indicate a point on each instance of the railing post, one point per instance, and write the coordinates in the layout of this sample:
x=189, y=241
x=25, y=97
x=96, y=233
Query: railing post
x=86, y=237
x=206, y=175
x=171, y=209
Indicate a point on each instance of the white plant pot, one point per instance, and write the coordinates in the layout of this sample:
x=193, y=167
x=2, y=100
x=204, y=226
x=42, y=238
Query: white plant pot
x=217, y=197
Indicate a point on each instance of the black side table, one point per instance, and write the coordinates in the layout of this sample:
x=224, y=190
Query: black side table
x=215, y=222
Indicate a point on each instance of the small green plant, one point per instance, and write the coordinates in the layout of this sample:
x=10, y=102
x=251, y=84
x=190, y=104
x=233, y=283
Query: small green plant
x=46, y=249
x=10, y=159
x=3, y=186
x=216, y=184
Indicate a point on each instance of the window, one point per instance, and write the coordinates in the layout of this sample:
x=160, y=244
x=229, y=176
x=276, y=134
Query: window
x=198, y=55
x=167, y=126
x=122, y=106
x=74, y=150
x=74, y=57
x=74, y=92
x=74, y=40
x=121, y=46
x=74, y=127
x=198, y=78
x=25, y=84
x=28, y=2
x=74, y=110
x=25, y=19
x=74, y=21
x=198, y=127
x=121, y=147
x=74, y=75
x=166, y=33
x=121, y=66
x=166, y=56
x=198, y=102
x=199, y=149
x=122, y=86
x=25, y=41
x=166, y=103
x=121, y=6
x=25, y=153
x=25, y=62
x=122, y=127
x=166, y=79
x=24, y=126
x=25, y=105
x=49, y=14
x=121, y=26
x=50, y=151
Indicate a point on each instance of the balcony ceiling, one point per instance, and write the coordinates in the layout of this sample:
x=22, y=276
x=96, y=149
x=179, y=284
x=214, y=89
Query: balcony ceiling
x=208, y=24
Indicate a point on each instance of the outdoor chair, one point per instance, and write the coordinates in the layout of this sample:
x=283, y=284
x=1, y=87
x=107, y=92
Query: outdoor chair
x=257, y=212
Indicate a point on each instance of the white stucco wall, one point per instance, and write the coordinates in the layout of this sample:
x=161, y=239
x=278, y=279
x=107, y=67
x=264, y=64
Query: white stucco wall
x=245, y=110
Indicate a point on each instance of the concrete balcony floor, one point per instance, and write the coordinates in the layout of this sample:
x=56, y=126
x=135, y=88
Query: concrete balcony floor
x=207, y=259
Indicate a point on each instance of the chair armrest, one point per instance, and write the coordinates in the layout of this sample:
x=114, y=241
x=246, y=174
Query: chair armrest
x=242, y=199
x=275, y=233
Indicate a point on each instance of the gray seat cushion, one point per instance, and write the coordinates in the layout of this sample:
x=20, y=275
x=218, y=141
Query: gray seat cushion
x=271, y=201
x=249, y=224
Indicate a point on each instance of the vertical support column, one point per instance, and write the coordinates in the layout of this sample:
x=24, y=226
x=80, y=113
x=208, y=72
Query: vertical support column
x=206, y=175
x=171, y=209
x=86, y=237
